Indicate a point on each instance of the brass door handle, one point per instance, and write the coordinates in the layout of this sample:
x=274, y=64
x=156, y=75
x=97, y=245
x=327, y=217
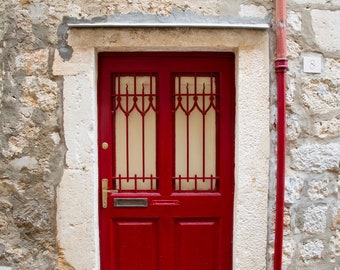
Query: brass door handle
x=105, y=191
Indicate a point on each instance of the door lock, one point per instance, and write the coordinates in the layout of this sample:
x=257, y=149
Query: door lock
x=105, y=145
x=105, y=191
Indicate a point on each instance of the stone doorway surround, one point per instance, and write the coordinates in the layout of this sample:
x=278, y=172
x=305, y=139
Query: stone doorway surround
x=77, y=198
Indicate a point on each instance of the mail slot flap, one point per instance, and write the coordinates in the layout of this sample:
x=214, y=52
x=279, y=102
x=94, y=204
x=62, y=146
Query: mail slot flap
x=130, y=202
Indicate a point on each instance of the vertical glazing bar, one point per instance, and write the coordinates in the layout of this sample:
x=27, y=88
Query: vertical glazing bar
x=179, y=182
x=156, y=126
x=120, y=181
x=185, y=148
x=215, y=87
x=212, y=98
x=134, y=103
x=151, y=182
x=195, y=179
x=143, y=132
x=117, y=99
x=135, y=183
x=187, y=128
x=203, y=127
x=127, y=128
x=149, y=103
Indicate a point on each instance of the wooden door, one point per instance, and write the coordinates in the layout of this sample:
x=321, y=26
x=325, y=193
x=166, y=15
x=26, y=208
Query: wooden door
x=166, y=160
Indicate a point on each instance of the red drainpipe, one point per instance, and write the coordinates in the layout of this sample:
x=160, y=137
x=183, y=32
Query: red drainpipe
x=281, y=66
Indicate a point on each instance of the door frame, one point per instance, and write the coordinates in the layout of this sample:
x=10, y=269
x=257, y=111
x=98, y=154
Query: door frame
x=77, y=196
x=221, y=63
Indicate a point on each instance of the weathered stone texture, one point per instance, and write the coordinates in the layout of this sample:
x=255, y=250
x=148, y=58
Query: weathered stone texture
x=311, y=251
x=289, y=248
x=325, y=24
x=335, y=245
x=314, y=219
x=294, y=21
x=33, y=36
x=30, y=161
x=34, y=40
x=318, y=189
x=316, y=157
x=294, y=185
x=320, y=95
x=327, y=129
x=313, y=102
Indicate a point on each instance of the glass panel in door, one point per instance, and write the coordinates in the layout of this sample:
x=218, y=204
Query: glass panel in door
x=134, y=115
x=196, y=111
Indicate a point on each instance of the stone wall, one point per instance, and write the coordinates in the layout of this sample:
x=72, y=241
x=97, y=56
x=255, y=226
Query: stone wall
x=31, y=138
x=32, y=156
x=312, y=231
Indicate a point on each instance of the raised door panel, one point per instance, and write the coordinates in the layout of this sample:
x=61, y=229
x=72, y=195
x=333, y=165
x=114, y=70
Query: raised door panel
x=135, y=244
x=196, y=244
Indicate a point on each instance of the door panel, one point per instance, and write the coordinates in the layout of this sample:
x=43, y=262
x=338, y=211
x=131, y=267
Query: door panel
x=131, y=254
x=168, y=123
x=196, y=244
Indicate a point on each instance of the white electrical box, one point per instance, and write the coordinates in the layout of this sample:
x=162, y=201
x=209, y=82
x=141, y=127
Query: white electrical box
x=312, y=64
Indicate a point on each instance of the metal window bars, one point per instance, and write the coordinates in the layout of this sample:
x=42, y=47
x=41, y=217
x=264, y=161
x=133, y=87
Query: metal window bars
x=195, y=121
x=134, y=115
x=196, y=109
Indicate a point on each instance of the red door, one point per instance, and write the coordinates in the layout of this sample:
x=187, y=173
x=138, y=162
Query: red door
x=166, y=160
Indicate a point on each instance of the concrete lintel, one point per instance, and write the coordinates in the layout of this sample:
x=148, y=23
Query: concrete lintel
x=176, y=19
x=262, y=26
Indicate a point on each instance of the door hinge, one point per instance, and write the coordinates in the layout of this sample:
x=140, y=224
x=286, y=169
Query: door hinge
x=105, y=191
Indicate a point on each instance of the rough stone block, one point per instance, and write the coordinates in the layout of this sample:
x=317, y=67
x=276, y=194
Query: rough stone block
x=318, y=189
x=16, y=145
x=331, y=68
x=293, y=187
x=164, y=7
x=4, y=204
x=287, y=221
x=316, y=157
x=288, y=250
x=336, y=216
x=3, y=222
x=327, y=129
x=7, y=188
x=320, y=96
x=325, y=24
x=40, y=93
x=291, y=89
x=293, y=127
x=294, y=21
x=311, y=251
x=293, y=49
x=24, y=162
x=315, y=219
x=33, y=63
x=303, y=2
x=334, y=246
x=253, y=11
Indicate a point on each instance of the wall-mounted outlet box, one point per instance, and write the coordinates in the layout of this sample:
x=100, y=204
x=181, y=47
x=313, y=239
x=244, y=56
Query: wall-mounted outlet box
x=312, y=64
